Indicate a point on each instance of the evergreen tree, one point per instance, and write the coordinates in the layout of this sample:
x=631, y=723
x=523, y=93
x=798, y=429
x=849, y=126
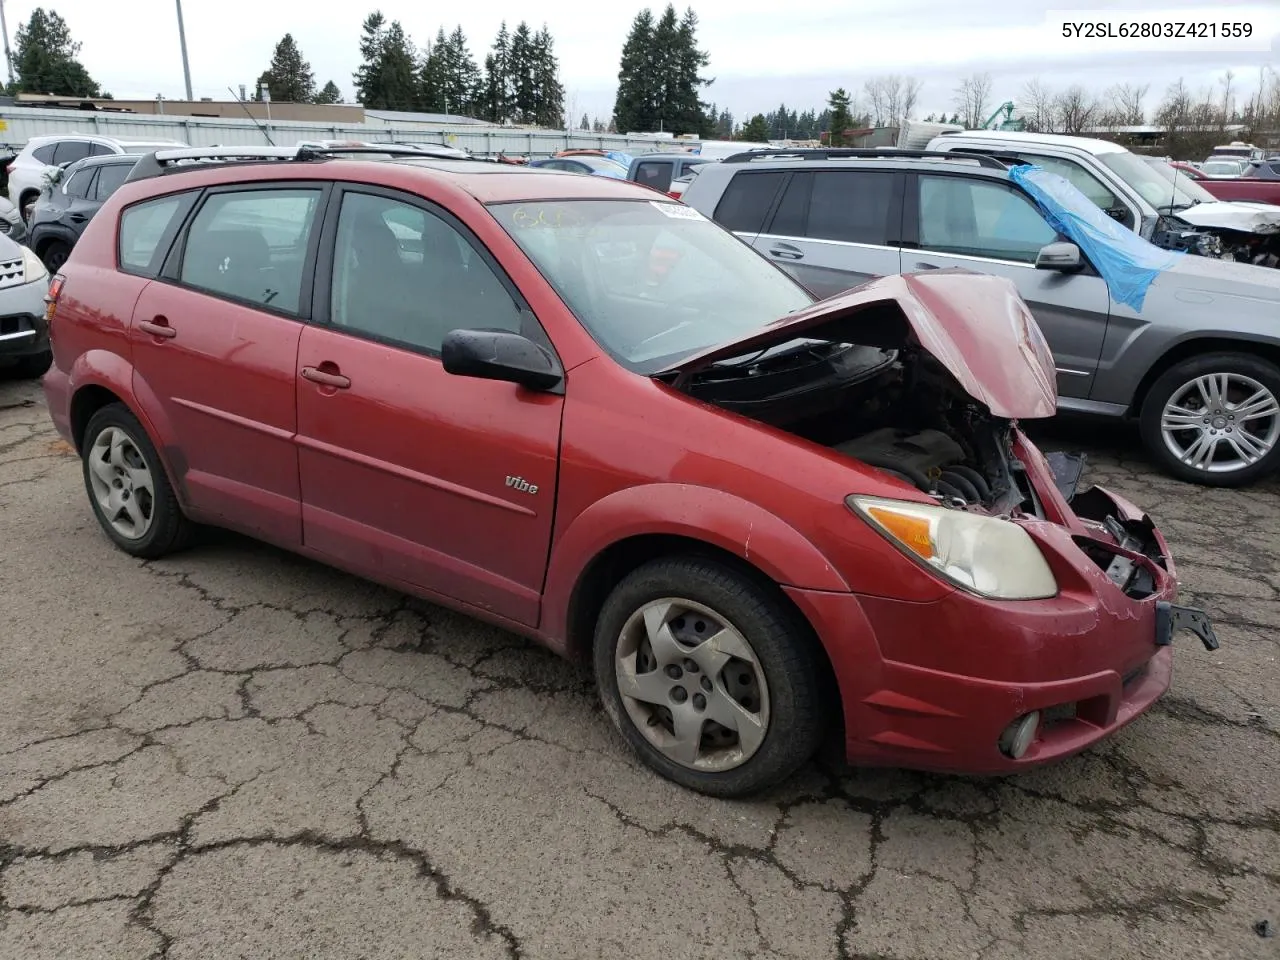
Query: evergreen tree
x=44, y=58
x=635, y=106
x=289, y=78
x=548, y=91
x=497, y=79
x=463, y=82
x=584, y=123
x=840, y=118
x=522, y=71
x=433, y=75
x=756, y=130
x=388, y=75
x=687, y=113
x=330, y=94
x=723, y=129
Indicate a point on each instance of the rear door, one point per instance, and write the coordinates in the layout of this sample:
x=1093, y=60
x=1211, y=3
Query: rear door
x=411, y=475
x=835, y=229
x=215, y=346
x=79, y=205
x=987, y=226
x=657, y=174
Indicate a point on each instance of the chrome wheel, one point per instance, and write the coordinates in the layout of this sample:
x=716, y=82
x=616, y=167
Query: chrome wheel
x=1221, y=422
x=122, y=483
x=692, y=685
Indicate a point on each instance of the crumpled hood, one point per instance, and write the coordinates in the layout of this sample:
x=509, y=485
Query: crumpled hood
x=1245, y=216
x=975, y=325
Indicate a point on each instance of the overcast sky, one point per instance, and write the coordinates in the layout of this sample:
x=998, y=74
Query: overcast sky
x=762, y=52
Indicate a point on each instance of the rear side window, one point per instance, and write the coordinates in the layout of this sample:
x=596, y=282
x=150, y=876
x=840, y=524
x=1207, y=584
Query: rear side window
x=146, y=231
x=110, y=177
x=99, y=150
x=44, y=154
x=69, y=151
x=78, y=185
x=252, y=246
x=851, y=206
x=747, y=200
x=655, y=173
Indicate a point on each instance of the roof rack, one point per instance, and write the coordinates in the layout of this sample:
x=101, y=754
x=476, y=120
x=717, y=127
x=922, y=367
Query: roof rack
x=866, y=153
x=167, y=161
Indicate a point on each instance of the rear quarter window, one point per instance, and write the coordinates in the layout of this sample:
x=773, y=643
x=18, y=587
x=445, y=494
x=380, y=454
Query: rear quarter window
x=747, y=200
x=147, y=230
x=44, y=154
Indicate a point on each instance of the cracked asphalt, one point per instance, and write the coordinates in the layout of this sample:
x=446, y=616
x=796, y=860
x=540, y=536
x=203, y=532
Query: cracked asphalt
x=237, y=753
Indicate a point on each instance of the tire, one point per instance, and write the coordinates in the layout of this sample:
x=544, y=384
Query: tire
x=788, y=705
x=1246, y=377
x=55, y=255
x=166, y=528
x=34, y=366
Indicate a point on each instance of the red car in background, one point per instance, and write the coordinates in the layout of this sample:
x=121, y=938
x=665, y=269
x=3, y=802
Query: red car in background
x=592, y=416
x=1259, y=183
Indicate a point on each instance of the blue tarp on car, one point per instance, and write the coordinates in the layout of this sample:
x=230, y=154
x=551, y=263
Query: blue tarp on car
x=1128, y=264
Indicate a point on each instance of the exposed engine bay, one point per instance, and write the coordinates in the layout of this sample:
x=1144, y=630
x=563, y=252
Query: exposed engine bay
x=891, y=407
x=1260, y=248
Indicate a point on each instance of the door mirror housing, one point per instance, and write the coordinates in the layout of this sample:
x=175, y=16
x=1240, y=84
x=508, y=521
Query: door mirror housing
x=500, y=355
x=1063, y=257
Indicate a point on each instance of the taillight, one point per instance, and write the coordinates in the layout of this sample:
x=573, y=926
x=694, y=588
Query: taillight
x=51, y=300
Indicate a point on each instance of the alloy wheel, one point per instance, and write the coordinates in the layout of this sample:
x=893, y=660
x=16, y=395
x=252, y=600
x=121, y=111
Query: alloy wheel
x=122, y=483
x=1221, y=422
x=692, y=685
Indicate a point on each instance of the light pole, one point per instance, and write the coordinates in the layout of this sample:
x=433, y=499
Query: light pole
x=8, y=57
x=182, y=41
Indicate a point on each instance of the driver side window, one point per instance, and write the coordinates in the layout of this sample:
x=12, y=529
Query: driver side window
x=978, y=218
x=403, y=274
x=1081, y=179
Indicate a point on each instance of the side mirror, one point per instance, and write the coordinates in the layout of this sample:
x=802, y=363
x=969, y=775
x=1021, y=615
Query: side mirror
x=1063, y=257
x=500, y=355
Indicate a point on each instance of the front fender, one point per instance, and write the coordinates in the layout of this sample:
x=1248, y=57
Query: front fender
x=699, y=513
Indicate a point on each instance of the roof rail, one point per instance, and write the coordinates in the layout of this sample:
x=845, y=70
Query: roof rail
x=865, y=153
x=166, y=161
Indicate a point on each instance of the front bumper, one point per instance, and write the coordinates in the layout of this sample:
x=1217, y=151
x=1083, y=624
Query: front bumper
x=23, y=330
x=934, y=685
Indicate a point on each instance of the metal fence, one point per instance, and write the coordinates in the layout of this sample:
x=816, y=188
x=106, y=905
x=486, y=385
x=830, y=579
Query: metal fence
x=22, y=123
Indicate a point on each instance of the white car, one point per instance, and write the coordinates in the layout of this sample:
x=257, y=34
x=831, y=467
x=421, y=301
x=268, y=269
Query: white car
x=43, y=154
x=24, y=335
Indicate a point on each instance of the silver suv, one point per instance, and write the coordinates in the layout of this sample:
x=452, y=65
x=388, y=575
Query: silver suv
x=1198, y=366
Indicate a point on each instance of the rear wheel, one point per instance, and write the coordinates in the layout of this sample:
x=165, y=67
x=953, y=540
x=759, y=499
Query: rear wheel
x=1215, y=420
x=708, y=676
x=55, y=255
x=127, y=486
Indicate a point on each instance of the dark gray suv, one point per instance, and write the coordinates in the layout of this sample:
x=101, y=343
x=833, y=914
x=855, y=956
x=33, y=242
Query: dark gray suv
x=1198, y=365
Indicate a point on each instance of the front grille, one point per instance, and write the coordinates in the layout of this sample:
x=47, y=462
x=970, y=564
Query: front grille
x=13, y=273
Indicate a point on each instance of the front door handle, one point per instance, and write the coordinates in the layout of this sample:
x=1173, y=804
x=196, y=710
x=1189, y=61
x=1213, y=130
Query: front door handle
x=925, y=265
x=158, y=327
x=785, y=251
x=326, y=377
x=77, y=217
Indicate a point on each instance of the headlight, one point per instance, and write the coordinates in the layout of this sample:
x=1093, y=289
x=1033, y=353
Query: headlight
x=990, y=557
x=33, y=269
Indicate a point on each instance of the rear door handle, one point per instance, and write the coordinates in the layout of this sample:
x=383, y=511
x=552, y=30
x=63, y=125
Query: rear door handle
x=159, y=327
x=326, y=378
x=925, y=265
x=785, y=251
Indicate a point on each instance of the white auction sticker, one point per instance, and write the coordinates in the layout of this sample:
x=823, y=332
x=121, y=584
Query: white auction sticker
x=677, y=211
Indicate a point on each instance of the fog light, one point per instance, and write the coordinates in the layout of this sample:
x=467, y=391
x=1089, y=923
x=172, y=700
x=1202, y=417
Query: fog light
x=1018, y=735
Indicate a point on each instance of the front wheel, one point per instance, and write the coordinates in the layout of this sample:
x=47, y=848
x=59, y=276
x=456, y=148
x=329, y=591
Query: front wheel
x=709, y=676
x=1215, y=419
x=55, y=255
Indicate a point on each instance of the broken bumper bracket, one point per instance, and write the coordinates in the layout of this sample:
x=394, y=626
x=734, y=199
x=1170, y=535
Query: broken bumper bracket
x=1171, y=618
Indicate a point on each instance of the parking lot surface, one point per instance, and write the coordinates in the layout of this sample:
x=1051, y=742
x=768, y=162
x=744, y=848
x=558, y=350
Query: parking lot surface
x=237, y=753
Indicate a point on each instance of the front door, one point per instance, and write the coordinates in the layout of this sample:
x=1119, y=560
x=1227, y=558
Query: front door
x=989, y=227
x=215, y=346
x=409, y=474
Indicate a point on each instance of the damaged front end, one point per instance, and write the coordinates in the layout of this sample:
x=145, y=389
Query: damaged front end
x=1239, y=231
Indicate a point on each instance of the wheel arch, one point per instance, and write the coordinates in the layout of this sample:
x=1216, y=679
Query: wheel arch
x=1199, y=346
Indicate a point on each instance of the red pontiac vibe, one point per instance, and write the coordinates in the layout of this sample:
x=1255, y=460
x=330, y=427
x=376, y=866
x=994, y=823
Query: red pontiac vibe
x=598, y=419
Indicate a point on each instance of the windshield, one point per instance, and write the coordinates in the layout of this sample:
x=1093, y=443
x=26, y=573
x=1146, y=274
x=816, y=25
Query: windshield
x=653, y=282
x=1154, y=184
x=601, y=164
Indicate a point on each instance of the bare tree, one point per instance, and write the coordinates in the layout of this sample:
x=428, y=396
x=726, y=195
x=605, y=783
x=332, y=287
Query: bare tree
x=1040, y=111
x=907, y=103
x=972, y=98
x=1125, y=105
x=891, y=98
x=1174, y=112
x=1077, y=109
x=1228, y=103
x=876, y=99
